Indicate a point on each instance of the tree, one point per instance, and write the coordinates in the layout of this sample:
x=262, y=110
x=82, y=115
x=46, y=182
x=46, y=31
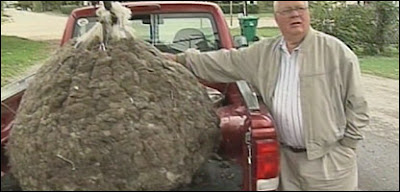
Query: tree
x=37, y=6
x=25, y=5
x=387, y=19
x=366, y=29
x=2, y=7
x=41, y=6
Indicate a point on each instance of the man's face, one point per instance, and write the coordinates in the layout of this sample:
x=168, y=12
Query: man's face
x=293, y=18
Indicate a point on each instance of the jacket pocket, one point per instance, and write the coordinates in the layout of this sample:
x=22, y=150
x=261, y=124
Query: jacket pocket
x=342, y=157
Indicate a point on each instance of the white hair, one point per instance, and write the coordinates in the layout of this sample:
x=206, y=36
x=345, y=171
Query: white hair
x=276, y=5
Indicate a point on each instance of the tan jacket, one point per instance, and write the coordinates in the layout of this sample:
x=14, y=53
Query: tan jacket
x=333, y=105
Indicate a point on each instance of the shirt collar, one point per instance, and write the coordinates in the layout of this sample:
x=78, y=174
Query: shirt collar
x=283, y=46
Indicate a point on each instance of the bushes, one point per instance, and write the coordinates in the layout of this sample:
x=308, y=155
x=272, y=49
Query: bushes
x=365, y=29
x=51, y=5
x=37, y=6
x=238, y=8
x=2, y=8
x=387, y=17
x=266, y=6
x=67, y=9
x=40, y=6
x=25, y=5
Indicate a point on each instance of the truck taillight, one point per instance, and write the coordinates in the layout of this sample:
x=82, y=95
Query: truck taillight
x=266, y=164
x=267, y=159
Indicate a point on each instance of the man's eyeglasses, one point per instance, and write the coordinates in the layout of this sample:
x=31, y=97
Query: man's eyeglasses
x=287, y=12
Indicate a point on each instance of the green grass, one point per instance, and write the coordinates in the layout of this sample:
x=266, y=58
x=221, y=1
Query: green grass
x=263, y=15
x=261, y=32
x=19, y=54
x=380, y=66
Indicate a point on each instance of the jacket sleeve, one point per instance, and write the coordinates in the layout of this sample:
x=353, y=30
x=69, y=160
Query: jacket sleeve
x=356, y=107
x=224, y=66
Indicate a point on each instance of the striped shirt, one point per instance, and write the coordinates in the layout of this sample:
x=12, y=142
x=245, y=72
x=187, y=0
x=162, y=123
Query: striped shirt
x=286, y=101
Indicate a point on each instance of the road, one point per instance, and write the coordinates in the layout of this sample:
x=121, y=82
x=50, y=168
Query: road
x=34, y=26
x=378, y=154
x=378, y=164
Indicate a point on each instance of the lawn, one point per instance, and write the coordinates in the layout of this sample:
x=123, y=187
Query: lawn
x=261, y=32
x=259, y=15
x=18, y=54
x=381, y=66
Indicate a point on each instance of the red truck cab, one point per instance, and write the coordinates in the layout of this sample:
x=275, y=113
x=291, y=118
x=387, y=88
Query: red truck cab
x=247, y=129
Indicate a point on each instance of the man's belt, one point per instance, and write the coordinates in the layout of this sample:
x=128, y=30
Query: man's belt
x=294, y=149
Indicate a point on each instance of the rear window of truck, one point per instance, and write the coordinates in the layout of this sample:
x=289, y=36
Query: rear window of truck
x=172, y=33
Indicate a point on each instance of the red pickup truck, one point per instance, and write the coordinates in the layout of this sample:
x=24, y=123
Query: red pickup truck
x=249, y=137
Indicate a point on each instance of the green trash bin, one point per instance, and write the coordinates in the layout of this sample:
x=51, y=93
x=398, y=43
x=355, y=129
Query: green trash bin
x=248, y=27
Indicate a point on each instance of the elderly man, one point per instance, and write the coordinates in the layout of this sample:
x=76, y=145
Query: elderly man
x=311, y=83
